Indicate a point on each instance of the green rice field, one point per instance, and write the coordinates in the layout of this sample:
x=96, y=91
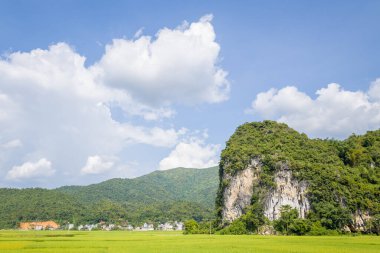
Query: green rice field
x=123, y=241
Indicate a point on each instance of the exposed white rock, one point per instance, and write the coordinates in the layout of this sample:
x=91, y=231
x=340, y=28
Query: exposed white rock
x=288, y=191
x=237, y=195
x=360, y=220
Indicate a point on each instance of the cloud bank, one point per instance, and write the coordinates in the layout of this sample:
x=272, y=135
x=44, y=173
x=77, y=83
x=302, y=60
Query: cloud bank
x=335, y=112
x=54, y=106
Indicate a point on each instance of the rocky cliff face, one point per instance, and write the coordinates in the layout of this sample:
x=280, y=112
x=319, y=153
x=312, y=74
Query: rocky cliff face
x=237, y=195
x=360, y=220
x=288, y=191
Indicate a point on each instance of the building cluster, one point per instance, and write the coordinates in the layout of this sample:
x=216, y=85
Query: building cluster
x=51, y=225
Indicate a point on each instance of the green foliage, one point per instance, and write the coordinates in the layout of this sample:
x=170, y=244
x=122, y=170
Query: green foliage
x=37, y=204
x=331, y=215
x=161, y=196
x=290, y=224
x=191, y=227
x=180, y=184
x=299, y=226
x=288, y=216
x=237, y=227
x=374, y=224
x=253, y=217
x=202, y=227
x=318, y=229
x=342, y=176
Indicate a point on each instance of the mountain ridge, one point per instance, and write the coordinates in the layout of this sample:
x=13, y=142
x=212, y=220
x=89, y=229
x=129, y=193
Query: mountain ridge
x=176, y=194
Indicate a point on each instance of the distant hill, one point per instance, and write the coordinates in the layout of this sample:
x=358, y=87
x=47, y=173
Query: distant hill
x=36, y=204
x=180, y=184
x=175, y=194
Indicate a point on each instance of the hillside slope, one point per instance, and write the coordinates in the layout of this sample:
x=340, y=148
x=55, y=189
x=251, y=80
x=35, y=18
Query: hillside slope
x=267, y=165
x=180, y=184
x=176, y=194
x=36, y=204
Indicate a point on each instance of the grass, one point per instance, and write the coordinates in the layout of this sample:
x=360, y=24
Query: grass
x=122, y=241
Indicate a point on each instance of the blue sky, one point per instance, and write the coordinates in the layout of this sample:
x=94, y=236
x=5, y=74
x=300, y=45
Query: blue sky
x=165, y=93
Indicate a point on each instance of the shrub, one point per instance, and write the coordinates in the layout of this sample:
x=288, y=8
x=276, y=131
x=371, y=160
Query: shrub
x=191, y=227
x=237, y=227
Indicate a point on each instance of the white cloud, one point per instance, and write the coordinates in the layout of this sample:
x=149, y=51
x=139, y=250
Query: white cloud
x=177, y=66
x=52, y=102
x=62, y=109
x=374, y=91
x=335, y=112
x=153, y=136
x=98, y=164
x=193, y=153
x=41, y=168
x=16, y=143
x=139, y=32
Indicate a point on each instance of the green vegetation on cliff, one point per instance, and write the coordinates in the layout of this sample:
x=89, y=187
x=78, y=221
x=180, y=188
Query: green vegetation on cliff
x=343, y=176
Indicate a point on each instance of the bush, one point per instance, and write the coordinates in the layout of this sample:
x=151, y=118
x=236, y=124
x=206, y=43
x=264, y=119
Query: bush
x=237, y=227
x=288, y=215
x=191, y=227
x=318, y=229
x=299, y=227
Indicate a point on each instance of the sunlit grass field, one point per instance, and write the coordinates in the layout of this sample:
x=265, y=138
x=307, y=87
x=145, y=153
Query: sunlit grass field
x=122, y=241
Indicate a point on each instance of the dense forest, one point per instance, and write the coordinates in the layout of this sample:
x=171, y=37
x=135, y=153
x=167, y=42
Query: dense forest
x=343, y=176
x=177, y=194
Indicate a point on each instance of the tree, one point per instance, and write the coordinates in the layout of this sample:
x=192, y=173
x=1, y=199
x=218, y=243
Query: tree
x=191, y=227
x=237, y=227
x=299, y=226
x=288, y=215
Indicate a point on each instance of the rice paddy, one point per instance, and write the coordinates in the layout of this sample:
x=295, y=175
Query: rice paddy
x=136, y=242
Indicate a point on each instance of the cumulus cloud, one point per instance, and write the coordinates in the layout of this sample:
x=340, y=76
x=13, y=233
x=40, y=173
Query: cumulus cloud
x=193, y=153
x=98, y=164
x=374, y=91
x=335, y=112
x=41, y=168
x=176, y=66
x=52, y=105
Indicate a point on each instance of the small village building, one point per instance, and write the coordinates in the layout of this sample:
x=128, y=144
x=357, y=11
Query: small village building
x=147, y=227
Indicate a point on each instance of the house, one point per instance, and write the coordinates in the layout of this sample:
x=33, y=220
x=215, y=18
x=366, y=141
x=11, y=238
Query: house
x=88, y=227
x=178, y=225
x=147, y=227
x=165, y=227
x=39, y=225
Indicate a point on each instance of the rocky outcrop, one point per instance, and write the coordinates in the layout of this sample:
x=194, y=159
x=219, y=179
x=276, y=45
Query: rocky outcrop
x=237, y=195
x=288, y=191
x=360, y=221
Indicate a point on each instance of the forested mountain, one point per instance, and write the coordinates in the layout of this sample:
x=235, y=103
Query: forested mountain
x=176, y=194
x=275, y=172
x=180, y=184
